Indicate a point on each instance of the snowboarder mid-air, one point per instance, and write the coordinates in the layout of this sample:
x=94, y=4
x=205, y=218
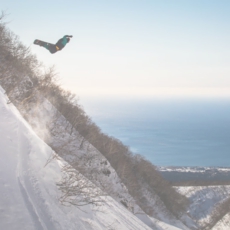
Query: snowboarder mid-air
x=53, y=48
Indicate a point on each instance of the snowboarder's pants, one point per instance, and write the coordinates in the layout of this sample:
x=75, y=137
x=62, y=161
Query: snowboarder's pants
x=51, y=47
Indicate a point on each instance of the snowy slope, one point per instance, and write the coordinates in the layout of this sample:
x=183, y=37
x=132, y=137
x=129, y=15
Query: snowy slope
x=51, y=126
x=203, y=200
x=29, y=195
x=28, y=191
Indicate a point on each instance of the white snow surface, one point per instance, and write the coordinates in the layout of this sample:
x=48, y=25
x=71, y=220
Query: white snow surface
x=203, y=200
x=28, y=191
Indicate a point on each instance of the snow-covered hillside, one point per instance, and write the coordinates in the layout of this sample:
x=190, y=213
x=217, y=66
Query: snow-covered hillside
x=51, y=126
x=30, y=195
x=29, y=192
x=203, y=203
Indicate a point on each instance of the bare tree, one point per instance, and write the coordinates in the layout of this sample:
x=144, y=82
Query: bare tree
x=77, y=190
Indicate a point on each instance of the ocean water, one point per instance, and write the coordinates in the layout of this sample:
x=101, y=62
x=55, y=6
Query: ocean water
x=192, y=132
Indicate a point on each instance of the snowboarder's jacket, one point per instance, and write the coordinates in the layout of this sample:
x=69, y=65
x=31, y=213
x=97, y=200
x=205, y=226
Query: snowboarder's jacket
x=62, y=42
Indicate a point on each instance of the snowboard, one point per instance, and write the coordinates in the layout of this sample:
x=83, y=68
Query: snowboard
x=41, y=43
x=51, y=47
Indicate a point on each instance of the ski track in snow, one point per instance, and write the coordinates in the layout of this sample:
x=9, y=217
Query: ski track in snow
x=15, y=213
x=30, y=207
x=19, y=191
x=27, y=182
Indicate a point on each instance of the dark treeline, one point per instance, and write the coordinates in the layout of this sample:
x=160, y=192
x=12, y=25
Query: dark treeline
x=200, y=183
x=24, y=80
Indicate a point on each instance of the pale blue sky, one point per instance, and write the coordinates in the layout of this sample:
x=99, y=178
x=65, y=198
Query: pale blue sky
x=127, y=47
